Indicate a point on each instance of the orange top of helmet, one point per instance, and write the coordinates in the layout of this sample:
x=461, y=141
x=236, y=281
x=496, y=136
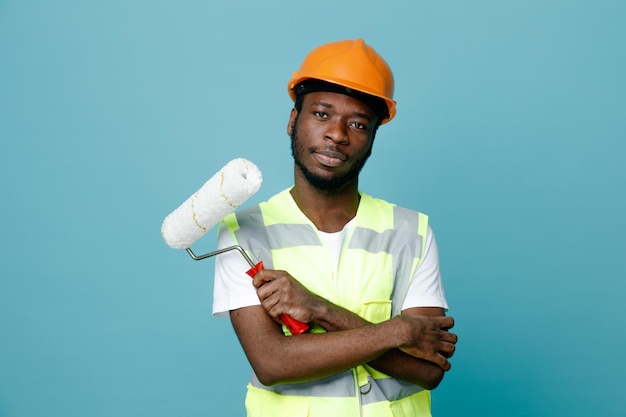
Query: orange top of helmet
x=352, y=64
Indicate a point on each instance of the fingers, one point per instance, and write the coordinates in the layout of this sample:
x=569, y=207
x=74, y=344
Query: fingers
x=275, y=292
x=262, y=277
x=429, y=339
x=449, y=337
x=443, y=363
x=438, y=358
x=447, y=349
x=444, y=322
x=447, y=345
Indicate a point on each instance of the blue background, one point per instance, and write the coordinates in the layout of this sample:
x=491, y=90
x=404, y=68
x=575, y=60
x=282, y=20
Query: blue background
x=510, y=134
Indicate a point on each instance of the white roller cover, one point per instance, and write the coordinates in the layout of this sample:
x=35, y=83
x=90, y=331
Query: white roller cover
x=230, y=187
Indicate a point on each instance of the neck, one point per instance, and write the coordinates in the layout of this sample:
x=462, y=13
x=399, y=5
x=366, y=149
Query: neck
x=328, y=210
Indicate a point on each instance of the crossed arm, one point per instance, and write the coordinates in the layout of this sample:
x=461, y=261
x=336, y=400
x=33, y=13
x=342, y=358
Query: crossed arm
x=414, y=346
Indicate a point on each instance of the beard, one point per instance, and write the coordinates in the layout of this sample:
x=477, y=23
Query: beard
x=327, y=184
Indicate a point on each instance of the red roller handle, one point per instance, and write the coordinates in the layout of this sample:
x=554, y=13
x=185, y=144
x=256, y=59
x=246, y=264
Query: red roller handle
x=294, y=326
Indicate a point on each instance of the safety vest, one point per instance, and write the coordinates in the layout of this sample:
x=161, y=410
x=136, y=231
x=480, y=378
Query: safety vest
x=378, y=260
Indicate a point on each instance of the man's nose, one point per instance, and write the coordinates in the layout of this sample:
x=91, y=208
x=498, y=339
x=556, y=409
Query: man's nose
x=337, y=131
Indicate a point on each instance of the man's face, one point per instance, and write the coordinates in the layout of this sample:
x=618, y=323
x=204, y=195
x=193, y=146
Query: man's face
x=331, y=138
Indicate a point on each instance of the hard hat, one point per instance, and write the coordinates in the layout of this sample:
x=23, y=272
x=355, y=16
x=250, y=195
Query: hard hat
x=351, y=64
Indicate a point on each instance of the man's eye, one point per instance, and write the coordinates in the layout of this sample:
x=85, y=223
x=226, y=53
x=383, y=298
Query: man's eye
x=320, y=114
x=359, y=125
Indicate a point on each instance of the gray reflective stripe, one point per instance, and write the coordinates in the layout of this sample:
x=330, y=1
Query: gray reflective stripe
x=372, y=241
x=290, y=235
x=260, y=240
x=252, y=235
x=407, y=222
x=388, y=389
x=340, y=385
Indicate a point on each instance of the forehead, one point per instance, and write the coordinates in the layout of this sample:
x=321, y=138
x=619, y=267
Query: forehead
x=338, y=101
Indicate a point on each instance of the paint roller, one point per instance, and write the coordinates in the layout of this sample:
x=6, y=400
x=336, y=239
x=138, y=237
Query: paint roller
x=230, y=187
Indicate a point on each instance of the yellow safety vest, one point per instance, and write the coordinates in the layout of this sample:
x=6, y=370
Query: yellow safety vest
x=377, y=263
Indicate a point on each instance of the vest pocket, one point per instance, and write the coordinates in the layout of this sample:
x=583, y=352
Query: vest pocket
x=376, y=311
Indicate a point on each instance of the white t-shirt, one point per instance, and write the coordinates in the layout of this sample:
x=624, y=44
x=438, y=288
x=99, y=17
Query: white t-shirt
x=233, y=288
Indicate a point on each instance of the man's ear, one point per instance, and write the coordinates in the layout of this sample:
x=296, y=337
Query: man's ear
x=292, y=121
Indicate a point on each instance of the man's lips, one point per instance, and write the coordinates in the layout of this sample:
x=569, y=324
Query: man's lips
x=330, y=158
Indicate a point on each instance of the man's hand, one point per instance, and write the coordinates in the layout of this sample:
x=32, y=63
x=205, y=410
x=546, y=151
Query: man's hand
x=428, y=338
x=280, y=293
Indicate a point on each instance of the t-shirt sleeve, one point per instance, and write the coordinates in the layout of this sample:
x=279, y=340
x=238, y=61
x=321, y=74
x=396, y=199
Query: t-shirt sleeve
x=426, y=289
x=232, y=287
